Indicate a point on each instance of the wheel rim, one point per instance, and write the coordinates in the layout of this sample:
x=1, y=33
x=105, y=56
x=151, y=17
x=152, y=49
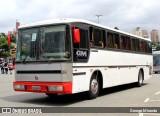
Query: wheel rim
x=94, y=86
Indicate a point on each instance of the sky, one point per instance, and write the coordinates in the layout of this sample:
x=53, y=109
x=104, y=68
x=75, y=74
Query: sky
x=124, y=14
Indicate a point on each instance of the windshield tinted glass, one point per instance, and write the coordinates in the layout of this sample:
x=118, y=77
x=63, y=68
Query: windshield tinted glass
x=26, y=48
x=43, y=44
x=54, y=43
x=156, y=58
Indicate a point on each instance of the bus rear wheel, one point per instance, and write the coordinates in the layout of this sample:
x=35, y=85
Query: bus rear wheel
x=94, y=87
x=140, y=79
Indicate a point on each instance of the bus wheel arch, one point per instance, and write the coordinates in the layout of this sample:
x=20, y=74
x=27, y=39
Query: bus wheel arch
x=96, y=79
x=140, y=77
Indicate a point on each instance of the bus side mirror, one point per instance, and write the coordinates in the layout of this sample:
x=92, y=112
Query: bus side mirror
x=76, y=35
x=9, y=38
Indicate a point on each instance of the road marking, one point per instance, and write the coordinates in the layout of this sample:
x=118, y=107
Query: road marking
x=157, y=93
x=147, y=99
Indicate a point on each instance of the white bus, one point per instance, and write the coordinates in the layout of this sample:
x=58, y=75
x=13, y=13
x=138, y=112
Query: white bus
x=67, y=56
x=156, y=61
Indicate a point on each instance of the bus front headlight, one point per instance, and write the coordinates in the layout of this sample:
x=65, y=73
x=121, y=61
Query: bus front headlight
x=19, y=87
x=55, y=88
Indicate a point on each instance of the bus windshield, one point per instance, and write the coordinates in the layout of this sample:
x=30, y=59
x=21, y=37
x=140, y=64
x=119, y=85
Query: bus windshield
x=156, y=58
x=43, y=44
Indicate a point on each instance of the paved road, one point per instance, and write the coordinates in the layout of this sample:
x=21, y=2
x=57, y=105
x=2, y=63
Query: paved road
x=122, y=96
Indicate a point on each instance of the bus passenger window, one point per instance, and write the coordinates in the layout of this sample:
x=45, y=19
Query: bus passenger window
x=128, y=43
x=116, y=41
x=91, y=37
x=123, y=42
x=115, y=46
x=137, y=45
x=83, y=39
x=110, y=40
x=149, y=45
x=133, y=46
x=101, y=44
x=91, y=43
x=97, y=38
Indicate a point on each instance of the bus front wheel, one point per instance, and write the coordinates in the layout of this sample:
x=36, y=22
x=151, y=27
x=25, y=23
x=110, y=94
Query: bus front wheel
x=94, y=87
x=140, y=79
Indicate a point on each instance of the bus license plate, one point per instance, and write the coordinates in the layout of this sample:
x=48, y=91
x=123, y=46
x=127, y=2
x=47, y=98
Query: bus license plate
x=36, y=88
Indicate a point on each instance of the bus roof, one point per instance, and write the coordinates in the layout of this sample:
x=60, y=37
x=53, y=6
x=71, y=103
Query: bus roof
x=72, y=20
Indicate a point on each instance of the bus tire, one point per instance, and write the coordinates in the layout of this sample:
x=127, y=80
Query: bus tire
x=94, y=87
x=140, y=79
x=50, y=95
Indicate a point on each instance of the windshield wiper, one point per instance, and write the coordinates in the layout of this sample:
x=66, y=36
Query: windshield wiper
x=45, y=55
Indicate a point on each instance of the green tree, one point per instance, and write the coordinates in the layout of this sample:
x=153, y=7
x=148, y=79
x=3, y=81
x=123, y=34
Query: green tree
x=4, y=48
x=158, y=47
x=154, y=43
x=3, y=35
x=116, y=28
x=13, y=38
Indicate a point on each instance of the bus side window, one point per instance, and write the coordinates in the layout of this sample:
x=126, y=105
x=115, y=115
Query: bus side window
x=97, y=39
x=83, y=39
x=91, y=37
x=101, y=44
x=123, y=42
x=128, y=43
x=133, y=46
x=110, y=40
x=116, y=41
x=137, y=45
x=149, y=45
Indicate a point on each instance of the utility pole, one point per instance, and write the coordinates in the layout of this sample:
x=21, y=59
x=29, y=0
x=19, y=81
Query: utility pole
x=98, y=15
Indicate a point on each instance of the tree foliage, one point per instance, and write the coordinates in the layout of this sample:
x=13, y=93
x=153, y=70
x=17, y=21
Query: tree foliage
x=158, y=47
x=116, y=28
x=154, y=43
x=4, y=48
x=13, y=38
x=3, y=41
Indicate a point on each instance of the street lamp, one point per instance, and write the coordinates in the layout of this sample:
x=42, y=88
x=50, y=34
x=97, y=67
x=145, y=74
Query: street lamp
x=98, y=15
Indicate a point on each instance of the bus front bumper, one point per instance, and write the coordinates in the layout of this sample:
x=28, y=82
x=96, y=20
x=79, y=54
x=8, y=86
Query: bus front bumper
x=43, y=87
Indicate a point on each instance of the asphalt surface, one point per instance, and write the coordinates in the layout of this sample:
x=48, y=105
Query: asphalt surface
x=121, y=96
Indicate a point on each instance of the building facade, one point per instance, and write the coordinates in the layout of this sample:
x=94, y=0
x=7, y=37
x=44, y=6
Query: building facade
x=155, y=36
x=139, y=32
